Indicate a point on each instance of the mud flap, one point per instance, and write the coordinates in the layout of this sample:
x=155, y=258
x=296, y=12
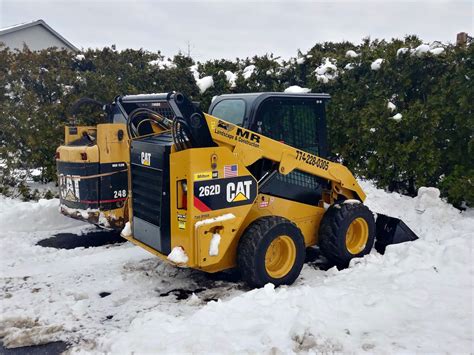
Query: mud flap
x=391, y=230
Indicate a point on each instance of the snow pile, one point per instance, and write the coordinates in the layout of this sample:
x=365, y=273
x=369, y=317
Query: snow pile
x=416, y=298
x=178, y=256
x=396, y=117
x=214, y=246
x=326, y=71
x=248, y=71
x=376, y=64
x=297, y=89
x=231, y=78
x=351, y=54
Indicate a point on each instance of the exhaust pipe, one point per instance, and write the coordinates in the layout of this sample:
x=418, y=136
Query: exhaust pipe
x=391, y=230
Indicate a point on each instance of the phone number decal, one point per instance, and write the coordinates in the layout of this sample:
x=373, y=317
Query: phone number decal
x=312, y=160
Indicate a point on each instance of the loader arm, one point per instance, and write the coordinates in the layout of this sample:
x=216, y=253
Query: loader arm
x=249, y=147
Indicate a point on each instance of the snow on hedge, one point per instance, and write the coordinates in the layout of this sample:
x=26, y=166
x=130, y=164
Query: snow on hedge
x=351, y=54
x=376, y=64
x=248, y=71
x=297, y=89
x=163, y=63
x=231, y=78
x=202, y=83
x=397, y=117
x=326, y=71
x=391, y=106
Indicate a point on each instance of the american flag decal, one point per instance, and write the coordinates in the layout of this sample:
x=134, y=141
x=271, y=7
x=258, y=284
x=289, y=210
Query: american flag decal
x=230, y=171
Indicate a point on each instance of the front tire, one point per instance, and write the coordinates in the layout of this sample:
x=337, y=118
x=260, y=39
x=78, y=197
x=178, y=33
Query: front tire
x=271, y=250
x=347, y=231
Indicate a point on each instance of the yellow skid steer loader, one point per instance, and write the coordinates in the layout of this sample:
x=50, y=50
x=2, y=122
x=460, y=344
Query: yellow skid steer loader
x=250, y=189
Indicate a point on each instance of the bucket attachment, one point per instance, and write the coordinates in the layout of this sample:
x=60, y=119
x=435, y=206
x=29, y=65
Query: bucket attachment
x=391, y=230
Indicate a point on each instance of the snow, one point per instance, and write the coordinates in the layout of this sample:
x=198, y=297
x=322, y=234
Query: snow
x=397, y=117
x=80, y=57
x=351, y=201
x=297, y=89
x=178, y=256
x=300, y=60
x=214, y=246
x=127, y=230
x=351, y=54
x=376, y=64
x=224, y=217
x=231, y=78
x=391, y=106
x=421, y=50
x=163, y=63
x=248, y=71
x=402, y=50
x=437, y=51
x=349, y=66
x=416, y=298
x=194, y=71
x=326, y=71
x=205, y=83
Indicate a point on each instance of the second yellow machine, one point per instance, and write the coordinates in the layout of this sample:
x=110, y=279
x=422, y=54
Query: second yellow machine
x=213, y=195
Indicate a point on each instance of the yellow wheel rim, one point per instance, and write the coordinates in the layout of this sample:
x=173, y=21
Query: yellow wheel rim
x=280, y=257
x=357, y=235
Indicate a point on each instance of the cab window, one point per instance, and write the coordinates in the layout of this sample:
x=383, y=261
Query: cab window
x=231, y=110
x=291, y=121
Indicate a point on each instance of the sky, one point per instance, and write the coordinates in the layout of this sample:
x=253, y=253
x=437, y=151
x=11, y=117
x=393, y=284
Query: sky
x=230, y=29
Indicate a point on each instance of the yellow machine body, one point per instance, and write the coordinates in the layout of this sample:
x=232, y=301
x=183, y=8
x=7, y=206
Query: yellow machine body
x=92, y=174
x=233, y=196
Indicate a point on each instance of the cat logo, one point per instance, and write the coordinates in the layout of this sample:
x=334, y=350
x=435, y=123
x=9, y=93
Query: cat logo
x=145, y=158
x=239, y=191
x=69, y=188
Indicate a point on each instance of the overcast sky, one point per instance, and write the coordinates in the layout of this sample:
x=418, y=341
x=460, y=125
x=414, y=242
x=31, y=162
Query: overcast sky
x=229, y=29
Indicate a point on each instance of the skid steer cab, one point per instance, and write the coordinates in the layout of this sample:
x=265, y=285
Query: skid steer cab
x=246, y=186
x=92, y=163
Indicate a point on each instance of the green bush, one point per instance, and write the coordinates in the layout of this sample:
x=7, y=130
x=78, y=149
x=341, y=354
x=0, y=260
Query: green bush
x=431, y=145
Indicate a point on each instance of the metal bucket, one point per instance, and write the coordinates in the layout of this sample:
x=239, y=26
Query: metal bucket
x=391, y=230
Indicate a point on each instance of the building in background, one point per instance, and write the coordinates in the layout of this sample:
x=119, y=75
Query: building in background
x=37, y=35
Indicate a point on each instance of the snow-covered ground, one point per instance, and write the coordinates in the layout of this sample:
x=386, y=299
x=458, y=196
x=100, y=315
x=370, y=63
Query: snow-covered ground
x=418, y=297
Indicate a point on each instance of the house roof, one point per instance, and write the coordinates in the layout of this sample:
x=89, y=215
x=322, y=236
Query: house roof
x=40, y=22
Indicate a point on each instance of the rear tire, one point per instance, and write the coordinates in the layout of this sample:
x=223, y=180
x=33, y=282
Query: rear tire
x=347, y=231
x=271, y=250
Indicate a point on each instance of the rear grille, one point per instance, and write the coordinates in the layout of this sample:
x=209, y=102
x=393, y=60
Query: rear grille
x=147, y=186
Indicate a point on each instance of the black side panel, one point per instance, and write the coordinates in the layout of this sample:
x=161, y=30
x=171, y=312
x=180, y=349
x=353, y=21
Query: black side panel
x=76, y=190
x=114, y=187
x=149, y=166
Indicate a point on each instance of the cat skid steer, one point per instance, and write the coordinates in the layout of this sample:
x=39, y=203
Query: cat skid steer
x=93, y=161
x=250, y=189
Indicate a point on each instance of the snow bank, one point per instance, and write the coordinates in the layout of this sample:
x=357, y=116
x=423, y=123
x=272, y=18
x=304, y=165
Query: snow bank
x=326, y=71
x=351, y=54
x=297, y=89
x=376, y=64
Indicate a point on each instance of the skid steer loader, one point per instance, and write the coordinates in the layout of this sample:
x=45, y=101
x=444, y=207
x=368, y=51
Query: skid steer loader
x=250, y=189
x=92, y=163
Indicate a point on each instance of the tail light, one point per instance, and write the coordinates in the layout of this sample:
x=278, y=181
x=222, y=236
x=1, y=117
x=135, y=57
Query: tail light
x=84, y=156
x=57, y=155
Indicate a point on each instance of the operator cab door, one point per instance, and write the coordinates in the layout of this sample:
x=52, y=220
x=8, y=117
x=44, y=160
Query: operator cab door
x=300, y=123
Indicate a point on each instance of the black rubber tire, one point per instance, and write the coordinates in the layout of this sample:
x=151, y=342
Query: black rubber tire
x=333, y=228
x=253, y=246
